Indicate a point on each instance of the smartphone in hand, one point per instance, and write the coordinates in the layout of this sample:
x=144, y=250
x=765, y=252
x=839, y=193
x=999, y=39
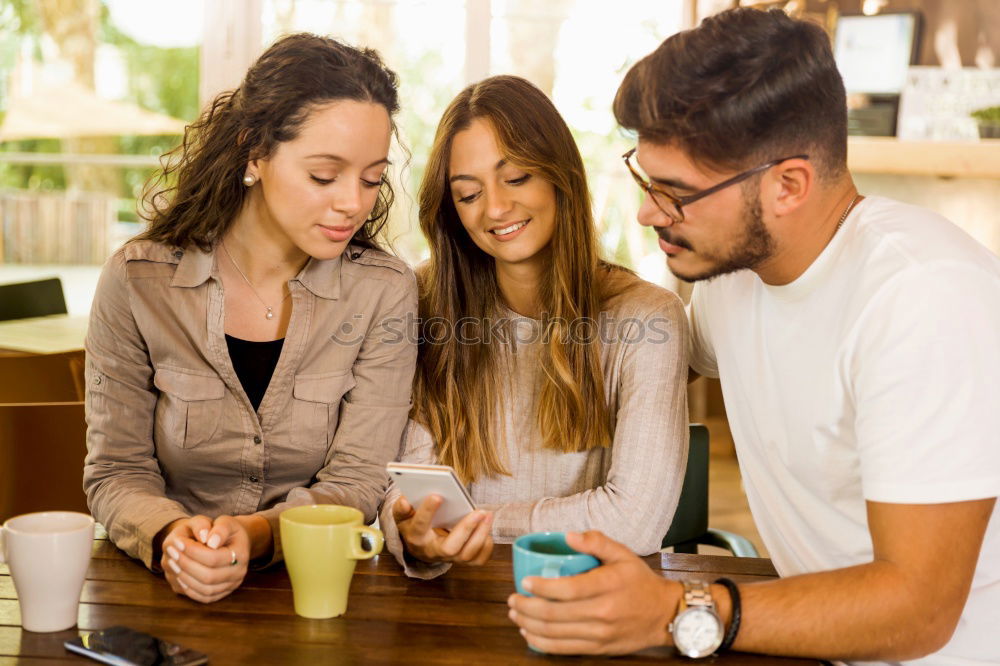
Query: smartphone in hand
x=418, y=481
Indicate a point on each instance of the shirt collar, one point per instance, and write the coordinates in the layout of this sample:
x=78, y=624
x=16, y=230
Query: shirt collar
x=824, y=264
x=193, y=268
x=320, y=276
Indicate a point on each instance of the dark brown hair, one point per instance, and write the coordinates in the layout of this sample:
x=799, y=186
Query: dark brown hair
x=458, y=389
x=746, y=86
x=296, y=74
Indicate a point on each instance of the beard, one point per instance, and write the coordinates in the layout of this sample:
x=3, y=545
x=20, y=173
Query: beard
x=753, y=246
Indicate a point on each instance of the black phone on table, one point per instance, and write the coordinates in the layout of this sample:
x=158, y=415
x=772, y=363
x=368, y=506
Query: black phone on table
x=123, y=646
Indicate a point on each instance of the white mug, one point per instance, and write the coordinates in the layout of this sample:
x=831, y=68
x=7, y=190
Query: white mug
x=48, y=554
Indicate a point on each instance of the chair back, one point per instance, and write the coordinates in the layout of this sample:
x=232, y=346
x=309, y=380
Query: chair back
x=42, y=449
x=42, y=378
x=691, y=518
x=32, y=299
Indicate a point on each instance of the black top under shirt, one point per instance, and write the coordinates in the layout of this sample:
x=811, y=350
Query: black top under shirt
x=254, y=363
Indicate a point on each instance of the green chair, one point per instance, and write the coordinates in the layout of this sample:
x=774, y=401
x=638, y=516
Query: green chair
x=690, y=527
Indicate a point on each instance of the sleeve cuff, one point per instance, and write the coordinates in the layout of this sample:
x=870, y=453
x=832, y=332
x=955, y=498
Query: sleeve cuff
x=938, y=493
x=145, y=532
x=412, y=567
x=273, y=518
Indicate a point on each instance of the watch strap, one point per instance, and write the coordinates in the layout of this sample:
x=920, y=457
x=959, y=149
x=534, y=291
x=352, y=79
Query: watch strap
x=697, y=594
x=737, y=613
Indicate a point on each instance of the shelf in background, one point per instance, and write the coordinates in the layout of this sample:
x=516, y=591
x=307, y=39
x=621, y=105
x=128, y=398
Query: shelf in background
x=946, y=159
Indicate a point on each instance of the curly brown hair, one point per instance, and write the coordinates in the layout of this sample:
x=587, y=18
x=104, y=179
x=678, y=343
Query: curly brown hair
x=199, y=191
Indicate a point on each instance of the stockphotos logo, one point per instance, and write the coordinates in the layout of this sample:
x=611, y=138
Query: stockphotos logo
x=605, y=329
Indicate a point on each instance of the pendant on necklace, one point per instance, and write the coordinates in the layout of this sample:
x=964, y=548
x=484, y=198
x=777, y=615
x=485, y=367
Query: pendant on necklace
x=269, y=314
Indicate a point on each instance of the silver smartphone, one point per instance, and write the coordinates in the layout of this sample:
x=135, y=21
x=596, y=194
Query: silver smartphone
x=416, y=482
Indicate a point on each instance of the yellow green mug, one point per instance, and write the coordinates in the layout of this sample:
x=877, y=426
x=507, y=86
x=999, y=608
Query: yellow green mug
x=321, y=544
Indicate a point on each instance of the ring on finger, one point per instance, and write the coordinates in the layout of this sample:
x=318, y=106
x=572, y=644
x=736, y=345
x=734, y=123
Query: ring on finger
x=234, y=561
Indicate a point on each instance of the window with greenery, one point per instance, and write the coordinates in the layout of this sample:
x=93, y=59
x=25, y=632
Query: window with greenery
x=144, y=58
x=91, y=93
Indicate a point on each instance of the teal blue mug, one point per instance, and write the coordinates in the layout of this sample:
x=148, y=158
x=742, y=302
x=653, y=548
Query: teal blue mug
x=546, y=554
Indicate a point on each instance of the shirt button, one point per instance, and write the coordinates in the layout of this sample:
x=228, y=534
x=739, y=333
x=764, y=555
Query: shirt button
x=355, y=255
x=97, y=380
x=256, y=439
x=253, y=479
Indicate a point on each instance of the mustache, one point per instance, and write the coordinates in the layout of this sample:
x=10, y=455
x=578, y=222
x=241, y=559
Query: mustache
x=664, y=233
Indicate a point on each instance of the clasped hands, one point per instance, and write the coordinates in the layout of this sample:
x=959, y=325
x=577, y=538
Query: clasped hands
x=204, y=559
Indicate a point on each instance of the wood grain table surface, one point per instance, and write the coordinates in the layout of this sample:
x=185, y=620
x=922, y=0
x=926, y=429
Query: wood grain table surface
x=459, y=618
x=43, y=335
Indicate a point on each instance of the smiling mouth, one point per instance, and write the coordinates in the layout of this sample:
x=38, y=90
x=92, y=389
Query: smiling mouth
x=511, y=229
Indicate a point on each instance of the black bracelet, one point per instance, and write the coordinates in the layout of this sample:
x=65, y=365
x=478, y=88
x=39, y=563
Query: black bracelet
x=737, y=612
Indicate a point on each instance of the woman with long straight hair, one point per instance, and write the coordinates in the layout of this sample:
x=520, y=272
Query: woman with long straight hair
x=241, y=354
x=552, y=381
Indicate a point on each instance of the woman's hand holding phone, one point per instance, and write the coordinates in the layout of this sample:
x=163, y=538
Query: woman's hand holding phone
x=470, y=541
x=205, y=560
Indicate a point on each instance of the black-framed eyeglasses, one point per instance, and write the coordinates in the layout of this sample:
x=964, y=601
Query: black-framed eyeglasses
x=673, y=207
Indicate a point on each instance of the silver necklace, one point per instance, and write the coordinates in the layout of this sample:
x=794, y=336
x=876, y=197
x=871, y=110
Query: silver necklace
x=268, y=310
x=847, y=211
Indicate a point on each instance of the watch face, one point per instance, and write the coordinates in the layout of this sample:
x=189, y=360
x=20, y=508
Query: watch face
x=697, y=632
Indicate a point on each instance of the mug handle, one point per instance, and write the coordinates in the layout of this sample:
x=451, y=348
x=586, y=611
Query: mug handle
x=359, y=553
x=552, y=570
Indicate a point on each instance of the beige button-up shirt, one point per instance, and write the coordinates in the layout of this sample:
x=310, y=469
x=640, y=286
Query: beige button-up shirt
x=171, y=433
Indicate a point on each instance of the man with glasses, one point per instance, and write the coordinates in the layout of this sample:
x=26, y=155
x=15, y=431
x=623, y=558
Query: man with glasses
x=858, y=344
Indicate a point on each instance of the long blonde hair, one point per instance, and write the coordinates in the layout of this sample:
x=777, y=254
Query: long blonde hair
x=459, y=386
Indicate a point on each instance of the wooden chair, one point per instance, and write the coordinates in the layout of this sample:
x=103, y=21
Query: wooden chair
x=42, y=378
x=32, y=299
x=690, y=526
x=42, y=448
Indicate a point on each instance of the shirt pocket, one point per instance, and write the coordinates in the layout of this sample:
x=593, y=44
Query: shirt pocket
x=316, y=407
x=188, y=409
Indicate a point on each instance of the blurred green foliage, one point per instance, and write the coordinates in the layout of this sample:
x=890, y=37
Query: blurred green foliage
x=164, y=80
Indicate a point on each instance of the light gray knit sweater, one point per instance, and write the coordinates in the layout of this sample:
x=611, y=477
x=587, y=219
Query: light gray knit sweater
x=628, y=491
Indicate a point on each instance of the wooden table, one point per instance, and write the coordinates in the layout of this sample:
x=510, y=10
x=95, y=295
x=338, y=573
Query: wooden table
x=460, y=618
x=44, y=335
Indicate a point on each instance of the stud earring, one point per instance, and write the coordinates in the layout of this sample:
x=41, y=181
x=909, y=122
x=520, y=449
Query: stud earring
x=249, y=180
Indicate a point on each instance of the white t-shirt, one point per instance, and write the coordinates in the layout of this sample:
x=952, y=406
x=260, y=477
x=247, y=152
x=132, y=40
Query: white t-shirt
x=873, y=376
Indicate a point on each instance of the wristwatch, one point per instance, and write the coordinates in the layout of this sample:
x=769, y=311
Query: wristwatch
x=697, y=628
